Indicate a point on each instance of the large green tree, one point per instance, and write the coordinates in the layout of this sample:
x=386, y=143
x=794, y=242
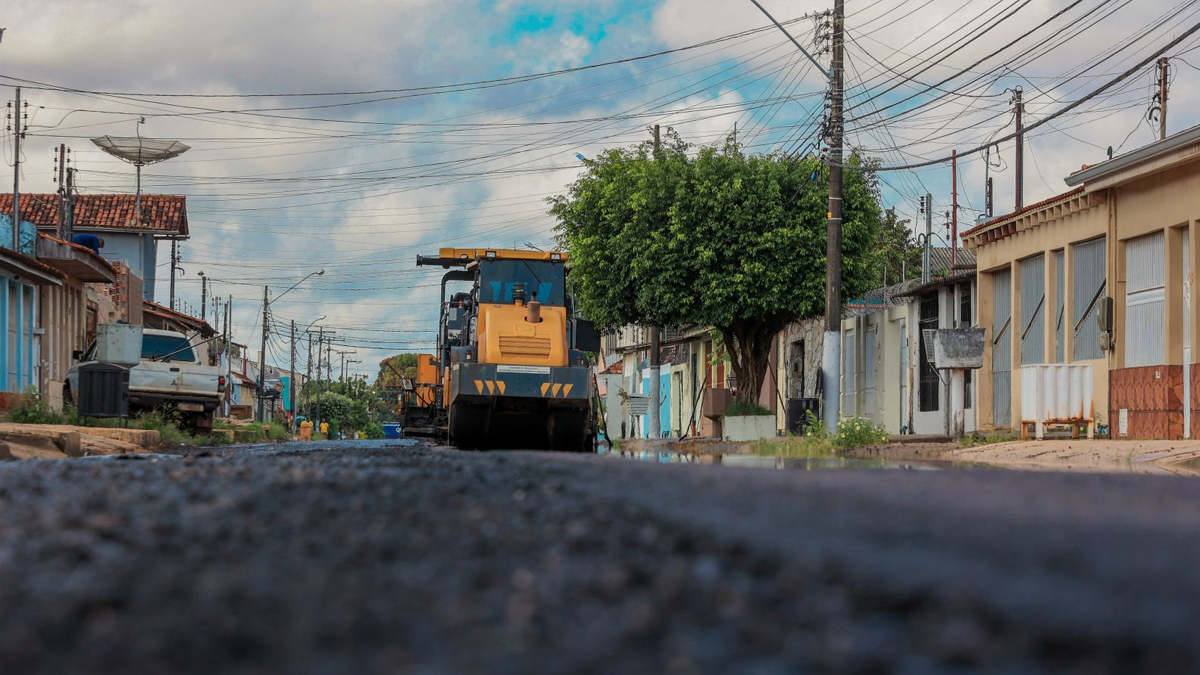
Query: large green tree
x=716, y=237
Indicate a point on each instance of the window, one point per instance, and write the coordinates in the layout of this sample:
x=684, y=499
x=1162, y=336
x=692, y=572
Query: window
x=172, y=347
x=928, y=385
x=1144, y=301
x=1087, y=277
x=1032, y=325
x=498, y=280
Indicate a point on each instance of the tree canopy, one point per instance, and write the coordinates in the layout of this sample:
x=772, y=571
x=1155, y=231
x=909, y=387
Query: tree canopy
x=717, y=238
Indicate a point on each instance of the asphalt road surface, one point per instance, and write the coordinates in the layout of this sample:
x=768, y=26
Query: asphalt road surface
x=380, y=557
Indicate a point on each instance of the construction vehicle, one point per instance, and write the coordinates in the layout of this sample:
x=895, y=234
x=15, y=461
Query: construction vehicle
x=511, y=352
x=421, y=413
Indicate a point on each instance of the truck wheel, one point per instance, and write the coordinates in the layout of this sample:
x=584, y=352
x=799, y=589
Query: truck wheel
x=468, y=425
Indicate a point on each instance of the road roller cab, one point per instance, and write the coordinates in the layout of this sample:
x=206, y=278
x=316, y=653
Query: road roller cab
x=512, y=351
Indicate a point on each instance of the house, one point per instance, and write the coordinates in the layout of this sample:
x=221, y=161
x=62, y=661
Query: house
x=67, y=316
x=127, y=238
x=1124, y=231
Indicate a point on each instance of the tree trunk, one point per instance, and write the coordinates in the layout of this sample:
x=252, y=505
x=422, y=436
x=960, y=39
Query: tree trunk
x=748, y=344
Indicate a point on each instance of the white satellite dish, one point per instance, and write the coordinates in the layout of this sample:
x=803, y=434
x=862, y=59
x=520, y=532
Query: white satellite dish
x=140, y=152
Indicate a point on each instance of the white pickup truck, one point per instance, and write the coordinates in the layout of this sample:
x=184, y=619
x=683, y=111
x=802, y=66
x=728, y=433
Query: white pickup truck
x=172, y=376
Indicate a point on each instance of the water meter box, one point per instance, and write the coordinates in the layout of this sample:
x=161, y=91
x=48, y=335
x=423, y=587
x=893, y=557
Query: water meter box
x=119, y=343
x=103, y=390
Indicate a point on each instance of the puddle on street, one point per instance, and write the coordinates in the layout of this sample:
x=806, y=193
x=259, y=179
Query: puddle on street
x=779, y=463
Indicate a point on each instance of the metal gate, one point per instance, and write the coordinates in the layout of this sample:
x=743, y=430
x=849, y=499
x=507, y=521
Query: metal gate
x=1033, y=310
x=1002, y=348
x=1089, y=284
x=930, y=382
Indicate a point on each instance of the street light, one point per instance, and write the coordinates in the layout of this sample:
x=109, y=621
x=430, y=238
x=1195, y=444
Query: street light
x=262, y=353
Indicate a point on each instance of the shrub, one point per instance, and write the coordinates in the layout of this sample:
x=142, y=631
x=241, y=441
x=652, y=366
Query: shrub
x=857, y=432
x=31, y=409
x=744, y=408
x=374, y=430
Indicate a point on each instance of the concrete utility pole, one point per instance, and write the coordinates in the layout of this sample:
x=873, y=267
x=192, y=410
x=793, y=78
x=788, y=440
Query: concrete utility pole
x=62, y=189
x=203, y=297
x=262, y=361
x=926, y=261
x=307, y=372
x=320, y=340
x=1019, y=165
x=953, y=207
x=292, y=383
x=831, y=351
x=1163, y=85
x=69, y=222
x=174, y=263
x=16, y=215
x=655, y=351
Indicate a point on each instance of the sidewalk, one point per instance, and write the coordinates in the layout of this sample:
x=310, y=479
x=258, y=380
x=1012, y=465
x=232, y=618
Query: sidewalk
x=57, y=441
x=1106, y=456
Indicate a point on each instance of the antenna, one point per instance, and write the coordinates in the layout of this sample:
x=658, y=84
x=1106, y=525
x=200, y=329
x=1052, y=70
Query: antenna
x=140, y=152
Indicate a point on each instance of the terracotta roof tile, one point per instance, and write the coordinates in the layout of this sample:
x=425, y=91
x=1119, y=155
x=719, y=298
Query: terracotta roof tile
x=1032, y=207
x=160, y=213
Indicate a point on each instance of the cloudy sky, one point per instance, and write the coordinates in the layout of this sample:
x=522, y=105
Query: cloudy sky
x=352, y=136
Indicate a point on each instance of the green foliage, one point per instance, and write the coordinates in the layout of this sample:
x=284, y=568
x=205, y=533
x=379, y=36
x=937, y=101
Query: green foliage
x=391, y=368
x=374, y=430
x=977, y=438
x=792, y=446
x=857, y=432
x=335, y=408
x=715, y=238
x=741, y=408
x=31, y=409
x=895, y=252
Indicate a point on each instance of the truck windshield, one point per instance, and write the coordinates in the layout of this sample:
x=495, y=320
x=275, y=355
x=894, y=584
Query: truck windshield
x=158, y=346
x=498, y=279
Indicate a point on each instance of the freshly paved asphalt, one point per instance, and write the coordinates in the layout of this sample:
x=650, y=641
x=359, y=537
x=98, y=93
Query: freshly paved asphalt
x=379, y=557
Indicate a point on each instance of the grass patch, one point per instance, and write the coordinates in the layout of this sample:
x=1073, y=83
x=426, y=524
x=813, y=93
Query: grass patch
x=745, y=408
x=976, y=438
x=795, y=447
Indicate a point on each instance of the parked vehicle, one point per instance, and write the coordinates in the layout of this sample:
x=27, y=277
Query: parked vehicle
x=172, y=376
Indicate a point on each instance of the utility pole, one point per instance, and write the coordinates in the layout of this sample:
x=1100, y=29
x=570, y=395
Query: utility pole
x=320, y=339
x=292, y=383
x=655, y=351
x=203, y=297
x=927, y=262
x=307, y=373
x=832, y=343
x=174, y=262
x=228, y=356
x=1163, y=85
x=1019, y=109
x=953, y=207
x=62, y=189
x=262, y=362
x=17, y=133
x=69, y=210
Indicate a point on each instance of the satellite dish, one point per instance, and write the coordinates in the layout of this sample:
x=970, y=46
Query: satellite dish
x=140, y=152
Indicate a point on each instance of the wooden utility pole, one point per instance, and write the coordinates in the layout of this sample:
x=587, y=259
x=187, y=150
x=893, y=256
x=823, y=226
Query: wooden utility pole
x=174, y=263
x=16, y=214
x=262, y=362
x=831, y=351
x=1019, y=165
x=655, y=351
x=1163, y=85
x=69, y=208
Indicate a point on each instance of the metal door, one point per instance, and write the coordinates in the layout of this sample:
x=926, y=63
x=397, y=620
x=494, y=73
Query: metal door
x=1002, y=348
x=1033, y=310
x=1187, y=334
